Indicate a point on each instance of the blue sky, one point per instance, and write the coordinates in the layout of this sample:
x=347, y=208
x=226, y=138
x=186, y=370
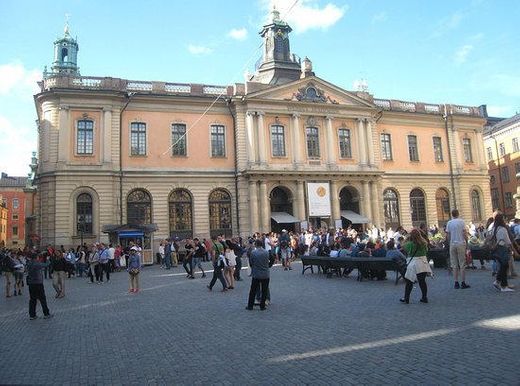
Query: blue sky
x=464, y=52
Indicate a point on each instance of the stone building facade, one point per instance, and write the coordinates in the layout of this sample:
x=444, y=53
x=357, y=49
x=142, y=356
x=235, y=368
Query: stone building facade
x=502, y=145
x=119, y=157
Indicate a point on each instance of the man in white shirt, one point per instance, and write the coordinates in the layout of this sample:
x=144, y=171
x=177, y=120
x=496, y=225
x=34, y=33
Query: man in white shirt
x=457, y=236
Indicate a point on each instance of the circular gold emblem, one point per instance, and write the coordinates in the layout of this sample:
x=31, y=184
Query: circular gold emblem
x=321, y=191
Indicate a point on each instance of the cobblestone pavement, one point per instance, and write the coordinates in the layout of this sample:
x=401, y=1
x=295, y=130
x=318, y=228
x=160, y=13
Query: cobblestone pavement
x=316, y=331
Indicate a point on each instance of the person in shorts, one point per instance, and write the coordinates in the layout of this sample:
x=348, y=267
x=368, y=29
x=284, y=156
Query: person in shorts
x=457, y=237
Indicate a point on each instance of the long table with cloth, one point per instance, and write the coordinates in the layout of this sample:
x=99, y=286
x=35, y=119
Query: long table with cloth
x=330, y=265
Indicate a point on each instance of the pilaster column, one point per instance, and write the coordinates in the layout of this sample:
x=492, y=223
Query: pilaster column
x=253, y=206
x=370, y=141
x=375, y=199
x=367, y=201
x=334, y=200
x=265, y=209
x=331, y=151
x=250, y=138
x=300, y=191
x=261, y=137
x=63, y=134
x=480, y=150
x=458, y=152
x=107, y=135
x=361, y=142
x=297, y=156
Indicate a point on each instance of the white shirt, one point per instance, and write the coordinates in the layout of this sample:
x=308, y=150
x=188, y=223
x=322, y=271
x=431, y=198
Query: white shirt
x=456, y=227
x=111, y=253
x=267, y=244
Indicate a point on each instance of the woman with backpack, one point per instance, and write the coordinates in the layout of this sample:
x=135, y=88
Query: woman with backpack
x=498, y=241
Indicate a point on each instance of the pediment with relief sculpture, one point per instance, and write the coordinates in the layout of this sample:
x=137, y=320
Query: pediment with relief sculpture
x=311, y=90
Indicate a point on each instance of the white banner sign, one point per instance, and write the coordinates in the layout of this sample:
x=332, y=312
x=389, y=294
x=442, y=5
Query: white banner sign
x=318, y=194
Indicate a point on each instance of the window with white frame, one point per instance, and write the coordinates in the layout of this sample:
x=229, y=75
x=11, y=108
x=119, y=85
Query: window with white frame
x=138, y=138
x=468, y=156
x=278, y=140
x=179, y=139
x=386, y=147
x=502, y=149
x=515, y=145
x=489, y=153
x=218, y=141
x=345, y=146
x=437, y=149
x=413, y=150
x=16, y=203
x=313, y=142
x=85, y=137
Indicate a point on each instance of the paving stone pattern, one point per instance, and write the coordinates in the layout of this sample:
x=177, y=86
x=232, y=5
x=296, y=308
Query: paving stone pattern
x=317, y=331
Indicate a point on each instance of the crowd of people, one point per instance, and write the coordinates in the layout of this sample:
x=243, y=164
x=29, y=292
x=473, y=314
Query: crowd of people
x=409, y=249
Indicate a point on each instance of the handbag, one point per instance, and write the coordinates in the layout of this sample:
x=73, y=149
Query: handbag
x=133, y=271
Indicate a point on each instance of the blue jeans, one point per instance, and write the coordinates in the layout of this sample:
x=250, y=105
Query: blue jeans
x=168, y=261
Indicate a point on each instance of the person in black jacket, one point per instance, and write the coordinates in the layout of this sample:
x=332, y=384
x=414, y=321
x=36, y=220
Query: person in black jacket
x=36, y=288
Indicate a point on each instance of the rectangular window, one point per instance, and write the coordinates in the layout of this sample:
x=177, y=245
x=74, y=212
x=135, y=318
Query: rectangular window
x=16, y=203
x=505, y=174
x=15, y=231
x=502, y=149
x=489, y=154
x=515, y=145
x=85, y=137
x=313, y=142
x=437, y=149
x=345, y=147
x=508, y=199
x=517, y=167
x=386, y=147
x=138, y=138
x=178, y=139
x=494, y=198
x=278, y=140
x=412, y=148
x=218, y=141
x=15, y=216
x=468, y=157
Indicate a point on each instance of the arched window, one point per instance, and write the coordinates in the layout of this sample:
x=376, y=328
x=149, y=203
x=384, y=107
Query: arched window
x=476, y=210
x=442, y=199
x=417, y=207
x=391, y=209
x=84, y=213
x=220, y=213
x=139, y=207
x=180, y=214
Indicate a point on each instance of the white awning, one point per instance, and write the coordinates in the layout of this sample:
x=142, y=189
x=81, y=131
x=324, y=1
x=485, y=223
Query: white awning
x=283, y=218
x=354, y=217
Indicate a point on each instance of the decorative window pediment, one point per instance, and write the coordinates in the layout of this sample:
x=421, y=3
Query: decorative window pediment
x=311, y=93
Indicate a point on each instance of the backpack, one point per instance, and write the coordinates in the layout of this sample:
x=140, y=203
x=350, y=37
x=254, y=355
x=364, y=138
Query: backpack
x=490, y=243
x=7, y=264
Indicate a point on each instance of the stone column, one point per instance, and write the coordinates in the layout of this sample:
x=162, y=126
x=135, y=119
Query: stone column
x=262, y=145
x=64, y=134
x=297, y=156
x=376, y=198
x=107, y=135
x=250, y=138
x=334, y=201
x=370, y=141
x=300, y=190
x=361, y=142
x=331, y=151
x=265, y=223
x=253, y=206
x=367, y=201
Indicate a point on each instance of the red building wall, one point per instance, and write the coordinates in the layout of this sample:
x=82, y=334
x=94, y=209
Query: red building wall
x=9, y=196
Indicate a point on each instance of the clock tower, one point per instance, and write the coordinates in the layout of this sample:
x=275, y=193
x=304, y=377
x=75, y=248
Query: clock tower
x=277, y=65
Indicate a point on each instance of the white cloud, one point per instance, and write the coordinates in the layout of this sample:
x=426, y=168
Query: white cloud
x=462, y=53
x=306, y=14
x=448, y=23
x=199, y=50
x=15, y=148
x=238, y=34
x=379, y=17
x=16, y=79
